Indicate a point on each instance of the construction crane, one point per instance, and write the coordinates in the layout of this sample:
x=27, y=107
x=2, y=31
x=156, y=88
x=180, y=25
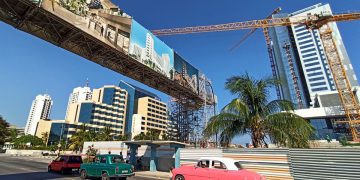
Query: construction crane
x=317, y=21
x=252, y=31
x=287, y=47
x=269, y=48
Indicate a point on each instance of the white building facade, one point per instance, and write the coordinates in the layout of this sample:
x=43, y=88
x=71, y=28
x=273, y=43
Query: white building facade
x=40, y=109
x=312, y=56
x=79, y=94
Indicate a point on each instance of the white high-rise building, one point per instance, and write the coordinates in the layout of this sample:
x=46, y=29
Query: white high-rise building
x=40, y=109
x=79, y=94
x=149, y=46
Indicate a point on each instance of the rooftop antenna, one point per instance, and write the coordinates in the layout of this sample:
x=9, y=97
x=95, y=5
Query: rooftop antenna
x=87, y=82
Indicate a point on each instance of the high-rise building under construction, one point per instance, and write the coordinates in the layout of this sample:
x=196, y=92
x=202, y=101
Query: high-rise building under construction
x=301, y=62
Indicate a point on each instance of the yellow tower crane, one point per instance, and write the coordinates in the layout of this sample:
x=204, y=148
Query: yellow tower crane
x=317, y=21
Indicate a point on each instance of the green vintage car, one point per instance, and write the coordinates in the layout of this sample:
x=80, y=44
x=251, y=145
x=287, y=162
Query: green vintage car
x=107, y=166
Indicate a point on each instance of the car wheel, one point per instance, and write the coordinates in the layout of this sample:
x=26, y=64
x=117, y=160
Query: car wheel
x=49, y=169
x=123, y=178
x=105, y=176
x=179, y=177
x=83, y=174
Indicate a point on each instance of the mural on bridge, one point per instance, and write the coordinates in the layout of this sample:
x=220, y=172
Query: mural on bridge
x=150, y=50
x=186, y=74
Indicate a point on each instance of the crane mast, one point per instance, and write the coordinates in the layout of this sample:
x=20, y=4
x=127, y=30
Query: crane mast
x=287, y=47
x=349, y=104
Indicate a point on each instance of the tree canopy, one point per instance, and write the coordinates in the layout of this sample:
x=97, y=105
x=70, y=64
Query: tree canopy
x=252, y=113
x=4, y=130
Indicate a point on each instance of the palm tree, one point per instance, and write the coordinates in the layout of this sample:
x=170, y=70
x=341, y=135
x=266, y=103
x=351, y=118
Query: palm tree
x=77, y=140
x=105, y=134
x=45, y=138
x=251, y=112
x=4, y=131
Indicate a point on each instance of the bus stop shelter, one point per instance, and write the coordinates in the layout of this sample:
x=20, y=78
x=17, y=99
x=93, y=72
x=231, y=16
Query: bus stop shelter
x=134, y=145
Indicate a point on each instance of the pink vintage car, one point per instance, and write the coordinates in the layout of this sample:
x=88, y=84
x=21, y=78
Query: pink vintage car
x=215, y=168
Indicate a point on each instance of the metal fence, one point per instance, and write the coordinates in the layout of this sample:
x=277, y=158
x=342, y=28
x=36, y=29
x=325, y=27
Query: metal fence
x=275, y=164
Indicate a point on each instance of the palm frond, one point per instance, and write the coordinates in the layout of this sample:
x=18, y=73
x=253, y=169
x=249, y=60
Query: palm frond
x=236, y=106
x=288, y=129
x=220, y=122
x=277, y=106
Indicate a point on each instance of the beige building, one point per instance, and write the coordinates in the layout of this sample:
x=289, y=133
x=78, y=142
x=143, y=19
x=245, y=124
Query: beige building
x=51, y=127
x=151, y=114
x=107, y=108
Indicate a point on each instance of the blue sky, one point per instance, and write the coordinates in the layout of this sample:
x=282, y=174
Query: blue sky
x=30, y=66
x=138, y=36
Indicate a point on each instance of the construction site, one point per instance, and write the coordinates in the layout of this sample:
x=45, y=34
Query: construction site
x=103, y=33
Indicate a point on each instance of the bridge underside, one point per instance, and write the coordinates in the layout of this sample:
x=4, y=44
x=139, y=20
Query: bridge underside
x=27, y=17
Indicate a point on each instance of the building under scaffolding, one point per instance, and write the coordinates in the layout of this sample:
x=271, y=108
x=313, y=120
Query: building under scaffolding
x=188, y=121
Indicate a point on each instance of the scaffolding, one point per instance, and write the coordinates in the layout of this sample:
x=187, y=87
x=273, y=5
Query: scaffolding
x=299, y=100
x=349, y=104
x=189, y=121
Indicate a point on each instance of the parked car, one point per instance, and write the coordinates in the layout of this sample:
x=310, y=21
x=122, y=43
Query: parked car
x=65, y=163
x=215, y=168
x=107, y=166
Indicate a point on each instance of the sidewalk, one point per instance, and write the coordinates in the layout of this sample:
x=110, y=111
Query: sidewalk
x=156, y=175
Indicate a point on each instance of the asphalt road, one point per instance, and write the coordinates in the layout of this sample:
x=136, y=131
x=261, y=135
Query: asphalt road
x=25, y=168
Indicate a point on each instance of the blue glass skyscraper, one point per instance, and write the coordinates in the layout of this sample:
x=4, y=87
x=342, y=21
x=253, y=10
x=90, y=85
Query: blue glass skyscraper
x=308, y=58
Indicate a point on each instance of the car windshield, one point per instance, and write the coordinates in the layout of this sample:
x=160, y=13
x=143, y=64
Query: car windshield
x=117, y=159
x=238, y=165
x=75, y=159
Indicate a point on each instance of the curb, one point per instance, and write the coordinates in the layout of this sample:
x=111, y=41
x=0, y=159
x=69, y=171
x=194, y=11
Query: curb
x=27, y=155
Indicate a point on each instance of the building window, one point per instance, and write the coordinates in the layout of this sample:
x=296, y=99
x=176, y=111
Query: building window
x=309, y=55
x=309, y=50
x=313, y=69
x=311, y=59
x=316, y=79
x=312, y=64
x=319, y=89
x=318, y=84
x=304, y=42
x=305, y=37
x=303, y=33
x=315, y=74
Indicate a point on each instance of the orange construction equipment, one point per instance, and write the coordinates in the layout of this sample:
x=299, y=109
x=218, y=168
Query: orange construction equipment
x=318, y=21
x=293, y=74
x=269, y=48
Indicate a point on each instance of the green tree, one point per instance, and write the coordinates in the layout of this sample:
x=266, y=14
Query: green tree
x=4, y=131
x=251, y=112
x=13, y=134
x=124, y=137
x=28, y=141
x=77, y=140
x=105, y=134
x=45, y=137
x=151, y=134
x=82, y=135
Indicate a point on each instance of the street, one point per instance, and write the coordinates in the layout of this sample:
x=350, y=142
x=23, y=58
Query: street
x=18, y=168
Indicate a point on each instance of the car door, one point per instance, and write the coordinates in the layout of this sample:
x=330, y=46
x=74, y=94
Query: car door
x=59, y=163
x=101, y=165
x=91, y=168
x=202, y=170
x=219, y=171
x=54, y=165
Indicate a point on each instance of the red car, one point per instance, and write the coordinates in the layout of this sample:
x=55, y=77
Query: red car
x=65, y=163
x=214, y=168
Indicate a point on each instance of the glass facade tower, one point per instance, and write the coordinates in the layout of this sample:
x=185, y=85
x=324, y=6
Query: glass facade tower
x=310, y=63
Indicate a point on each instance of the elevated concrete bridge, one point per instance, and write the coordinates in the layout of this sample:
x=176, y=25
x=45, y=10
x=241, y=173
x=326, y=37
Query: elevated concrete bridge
x=53, y=23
